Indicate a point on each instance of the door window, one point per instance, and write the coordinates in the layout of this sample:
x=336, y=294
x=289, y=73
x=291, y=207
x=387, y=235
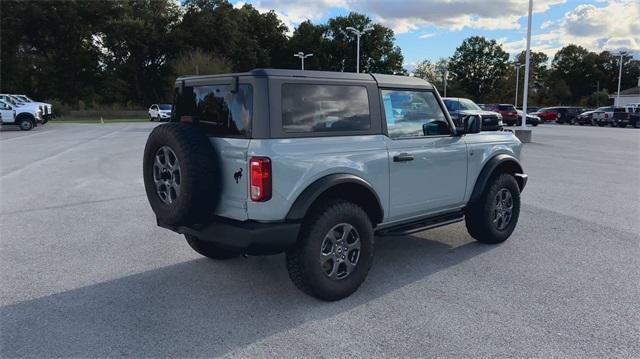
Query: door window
x=414, y=114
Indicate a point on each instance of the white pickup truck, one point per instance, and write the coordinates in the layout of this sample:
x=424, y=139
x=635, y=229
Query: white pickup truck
x=26, y=117
x=47, y=108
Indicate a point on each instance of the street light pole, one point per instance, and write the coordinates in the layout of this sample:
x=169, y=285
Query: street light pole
x=446, y=75
x=302, y=56
x=619, y=80
x=359, y=33
x=526, y=69
x=517, y=66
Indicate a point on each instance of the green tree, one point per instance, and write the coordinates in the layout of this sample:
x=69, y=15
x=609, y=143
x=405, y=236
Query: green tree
x=477, y=65
x=139, y=45
x=427, y=70
x=377, y=50
x=198, y=62
x=310, y=39
x=49, y=48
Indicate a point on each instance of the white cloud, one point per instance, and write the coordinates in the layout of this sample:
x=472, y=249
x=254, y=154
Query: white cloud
x=609, y=27
x=427, y=35
x=409, y=15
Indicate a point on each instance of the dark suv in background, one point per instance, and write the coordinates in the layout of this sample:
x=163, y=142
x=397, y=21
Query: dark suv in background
x=508, y=112
x=460, y=107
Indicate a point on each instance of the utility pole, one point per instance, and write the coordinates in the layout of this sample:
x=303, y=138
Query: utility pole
x=517, y=66
x=302, y=56
x=619, y=79
x=444, y=79
x=526, y=68
x=359, y=33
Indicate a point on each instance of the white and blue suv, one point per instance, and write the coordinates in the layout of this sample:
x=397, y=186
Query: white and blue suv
x=316, y=164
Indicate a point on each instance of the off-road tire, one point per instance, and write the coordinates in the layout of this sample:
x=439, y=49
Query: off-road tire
x=210, y=250
x=480, y=215
x=199, y=171
x=303, y=260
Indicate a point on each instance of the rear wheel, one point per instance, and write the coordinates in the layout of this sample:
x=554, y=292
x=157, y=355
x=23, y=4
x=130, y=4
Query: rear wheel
x=494, y=216
x=622, y=125
x=210, y=250
x=334, y=252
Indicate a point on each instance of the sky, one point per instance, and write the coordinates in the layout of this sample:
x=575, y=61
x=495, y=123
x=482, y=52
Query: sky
x=432, y=29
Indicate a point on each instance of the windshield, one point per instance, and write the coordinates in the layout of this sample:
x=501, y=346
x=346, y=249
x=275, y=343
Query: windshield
x=9, y=99
x=165, y=107
x=24, y=98
x=466, y=104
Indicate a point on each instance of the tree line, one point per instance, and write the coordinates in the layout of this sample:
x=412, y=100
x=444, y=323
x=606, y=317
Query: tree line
x=93, y=53
x=480, y=69
x=127, y=53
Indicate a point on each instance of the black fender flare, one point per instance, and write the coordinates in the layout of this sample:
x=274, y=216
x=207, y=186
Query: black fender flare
x=26, y=115
x=304, y=201
x=512, y=164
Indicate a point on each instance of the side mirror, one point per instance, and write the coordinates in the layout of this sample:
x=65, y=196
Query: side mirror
x=470, y=124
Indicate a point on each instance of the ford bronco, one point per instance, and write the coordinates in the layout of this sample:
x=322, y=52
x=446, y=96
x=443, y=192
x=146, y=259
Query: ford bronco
x=316, y=164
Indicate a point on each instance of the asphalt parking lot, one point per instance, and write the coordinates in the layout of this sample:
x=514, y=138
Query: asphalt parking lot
x=85, y=272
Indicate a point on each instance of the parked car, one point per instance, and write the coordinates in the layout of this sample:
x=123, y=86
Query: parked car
x=560, y=114
x=532, y=120
x=604, y=116
x=161, y=112
x=508, y=112
x=586, y=118
x=47, y=108
x=314, y=164
x=16, y=115
x=629, y=116
x=460, y=107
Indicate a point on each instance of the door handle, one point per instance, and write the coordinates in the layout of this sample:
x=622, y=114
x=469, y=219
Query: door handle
x=403, y=157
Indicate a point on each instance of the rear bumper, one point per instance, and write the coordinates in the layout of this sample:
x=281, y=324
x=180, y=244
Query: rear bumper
x=249, y=237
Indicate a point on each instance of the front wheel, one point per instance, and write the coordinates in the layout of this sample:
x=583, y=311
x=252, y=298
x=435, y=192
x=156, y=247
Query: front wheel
x=25, y=124
x=210, y=250
x=334, y=252
x=494, y=216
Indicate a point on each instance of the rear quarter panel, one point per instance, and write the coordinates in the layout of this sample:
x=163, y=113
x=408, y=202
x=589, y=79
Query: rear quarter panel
x=298, y=162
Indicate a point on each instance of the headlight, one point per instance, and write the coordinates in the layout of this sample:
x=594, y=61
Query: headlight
x=500, y=123
x=499, y=116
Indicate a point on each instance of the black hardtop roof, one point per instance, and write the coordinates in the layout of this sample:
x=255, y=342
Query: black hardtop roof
x=382, y=80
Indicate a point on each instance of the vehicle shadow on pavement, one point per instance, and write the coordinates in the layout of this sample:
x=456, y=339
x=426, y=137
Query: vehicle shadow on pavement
x=205, y=308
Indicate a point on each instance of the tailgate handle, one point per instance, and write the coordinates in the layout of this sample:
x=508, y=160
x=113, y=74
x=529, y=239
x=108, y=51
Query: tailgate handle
x=403, y=157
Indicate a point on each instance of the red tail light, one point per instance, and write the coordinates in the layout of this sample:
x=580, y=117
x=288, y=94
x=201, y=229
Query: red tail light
x=260, y=179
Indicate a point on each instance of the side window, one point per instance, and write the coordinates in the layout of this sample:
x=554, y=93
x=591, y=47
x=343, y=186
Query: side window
x=452, y=105
x=218, y=110
x=414, y=114
x=324, y=108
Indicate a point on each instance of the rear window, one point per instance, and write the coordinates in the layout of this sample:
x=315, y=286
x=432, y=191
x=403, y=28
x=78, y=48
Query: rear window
x=216, y=109
x=506, y=108
x=324, y=108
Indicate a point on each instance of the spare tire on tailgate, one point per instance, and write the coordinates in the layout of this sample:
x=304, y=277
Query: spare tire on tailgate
x=180, y=174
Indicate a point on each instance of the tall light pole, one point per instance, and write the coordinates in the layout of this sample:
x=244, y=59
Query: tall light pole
x=517, y=66
x=526, y=70
x=444, y=79
x=302, y=56
x=359, y=33
x=622, y=53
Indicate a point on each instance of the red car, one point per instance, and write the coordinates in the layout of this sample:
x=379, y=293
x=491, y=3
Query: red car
x=547, y=114
x=508, y=112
